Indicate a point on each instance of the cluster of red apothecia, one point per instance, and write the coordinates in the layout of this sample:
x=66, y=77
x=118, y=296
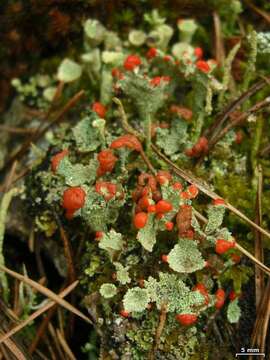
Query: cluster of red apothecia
x=200, y=148
x=134, y=61
x=148, y=197
x=74, y=197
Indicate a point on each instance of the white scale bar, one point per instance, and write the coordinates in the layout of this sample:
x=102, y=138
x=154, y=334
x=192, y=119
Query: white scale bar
x=258, y=354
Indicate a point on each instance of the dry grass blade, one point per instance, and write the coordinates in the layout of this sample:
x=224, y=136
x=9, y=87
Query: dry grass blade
x=257, y=334
x=14, y=349
x=47, y=292
x=265, y=323
x=219, y=46
x=37, y=313
x=17, y=130
x=260, y=12
x=65, y=346
x=204, y=188
x=67, y=249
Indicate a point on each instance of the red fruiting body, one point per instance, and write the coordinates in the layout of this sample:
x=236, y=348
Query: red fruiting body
x=150, y=179
x=164, y=258
x=157, y=195
x=235, y=258
x=232, y=295
x=151, y=209
x=156, y=81
x=163, y=206
x=198, y=52
x=166, y=78
x=56, y=159
x=106, y=189
x=193, y=191
x=131, y=62
x=73, y=199
x=186, y=319
x=203, y=141
x=163, y=177
x=189, y=234
x=238, y=137
x=203, y=66
x=107, y=162
x=116, y=73
x=185, y=195
x=160, y=216
x=99, y=235
x=124, y=313
x=202, y=289
x=169, y=225
x=223, y=245
x=129, y=141
x=177, y=186
x=144, y=203
x=167, y=58
x=183, y=220
x=182, y=111
x=190, y=152
x=220, y=298
x=151, y=53
x=140, y=220
x=217, y=202
x=100, y=109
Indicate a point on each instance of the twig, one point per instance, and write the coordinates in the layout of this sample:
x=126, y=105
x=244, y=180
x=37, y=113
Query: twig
x=55, y=339
x=37, y=313
x=17, y=130
x=65, y=346
x=14, y=349
x=67, y=249
x=256, y=334
x=219, y=46
x=47, y=292
x=260, y=12
x=123, y=117
x=41, y=329
x=161, y=324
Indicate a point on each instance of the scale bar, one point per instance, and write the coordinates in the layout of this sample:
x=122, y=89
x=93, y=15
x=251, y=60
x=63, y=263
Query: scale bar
x=258, y=354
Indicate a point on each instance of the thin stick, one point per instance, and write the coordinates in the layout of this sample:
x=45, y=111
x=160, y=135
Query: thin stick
x=37, y=313
x=11, y=345
x=123, y=117
x=17, y=130
x=64, y=345
x=219, y=46
x=67, y=249
x=47, y=292
x=159, y=330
